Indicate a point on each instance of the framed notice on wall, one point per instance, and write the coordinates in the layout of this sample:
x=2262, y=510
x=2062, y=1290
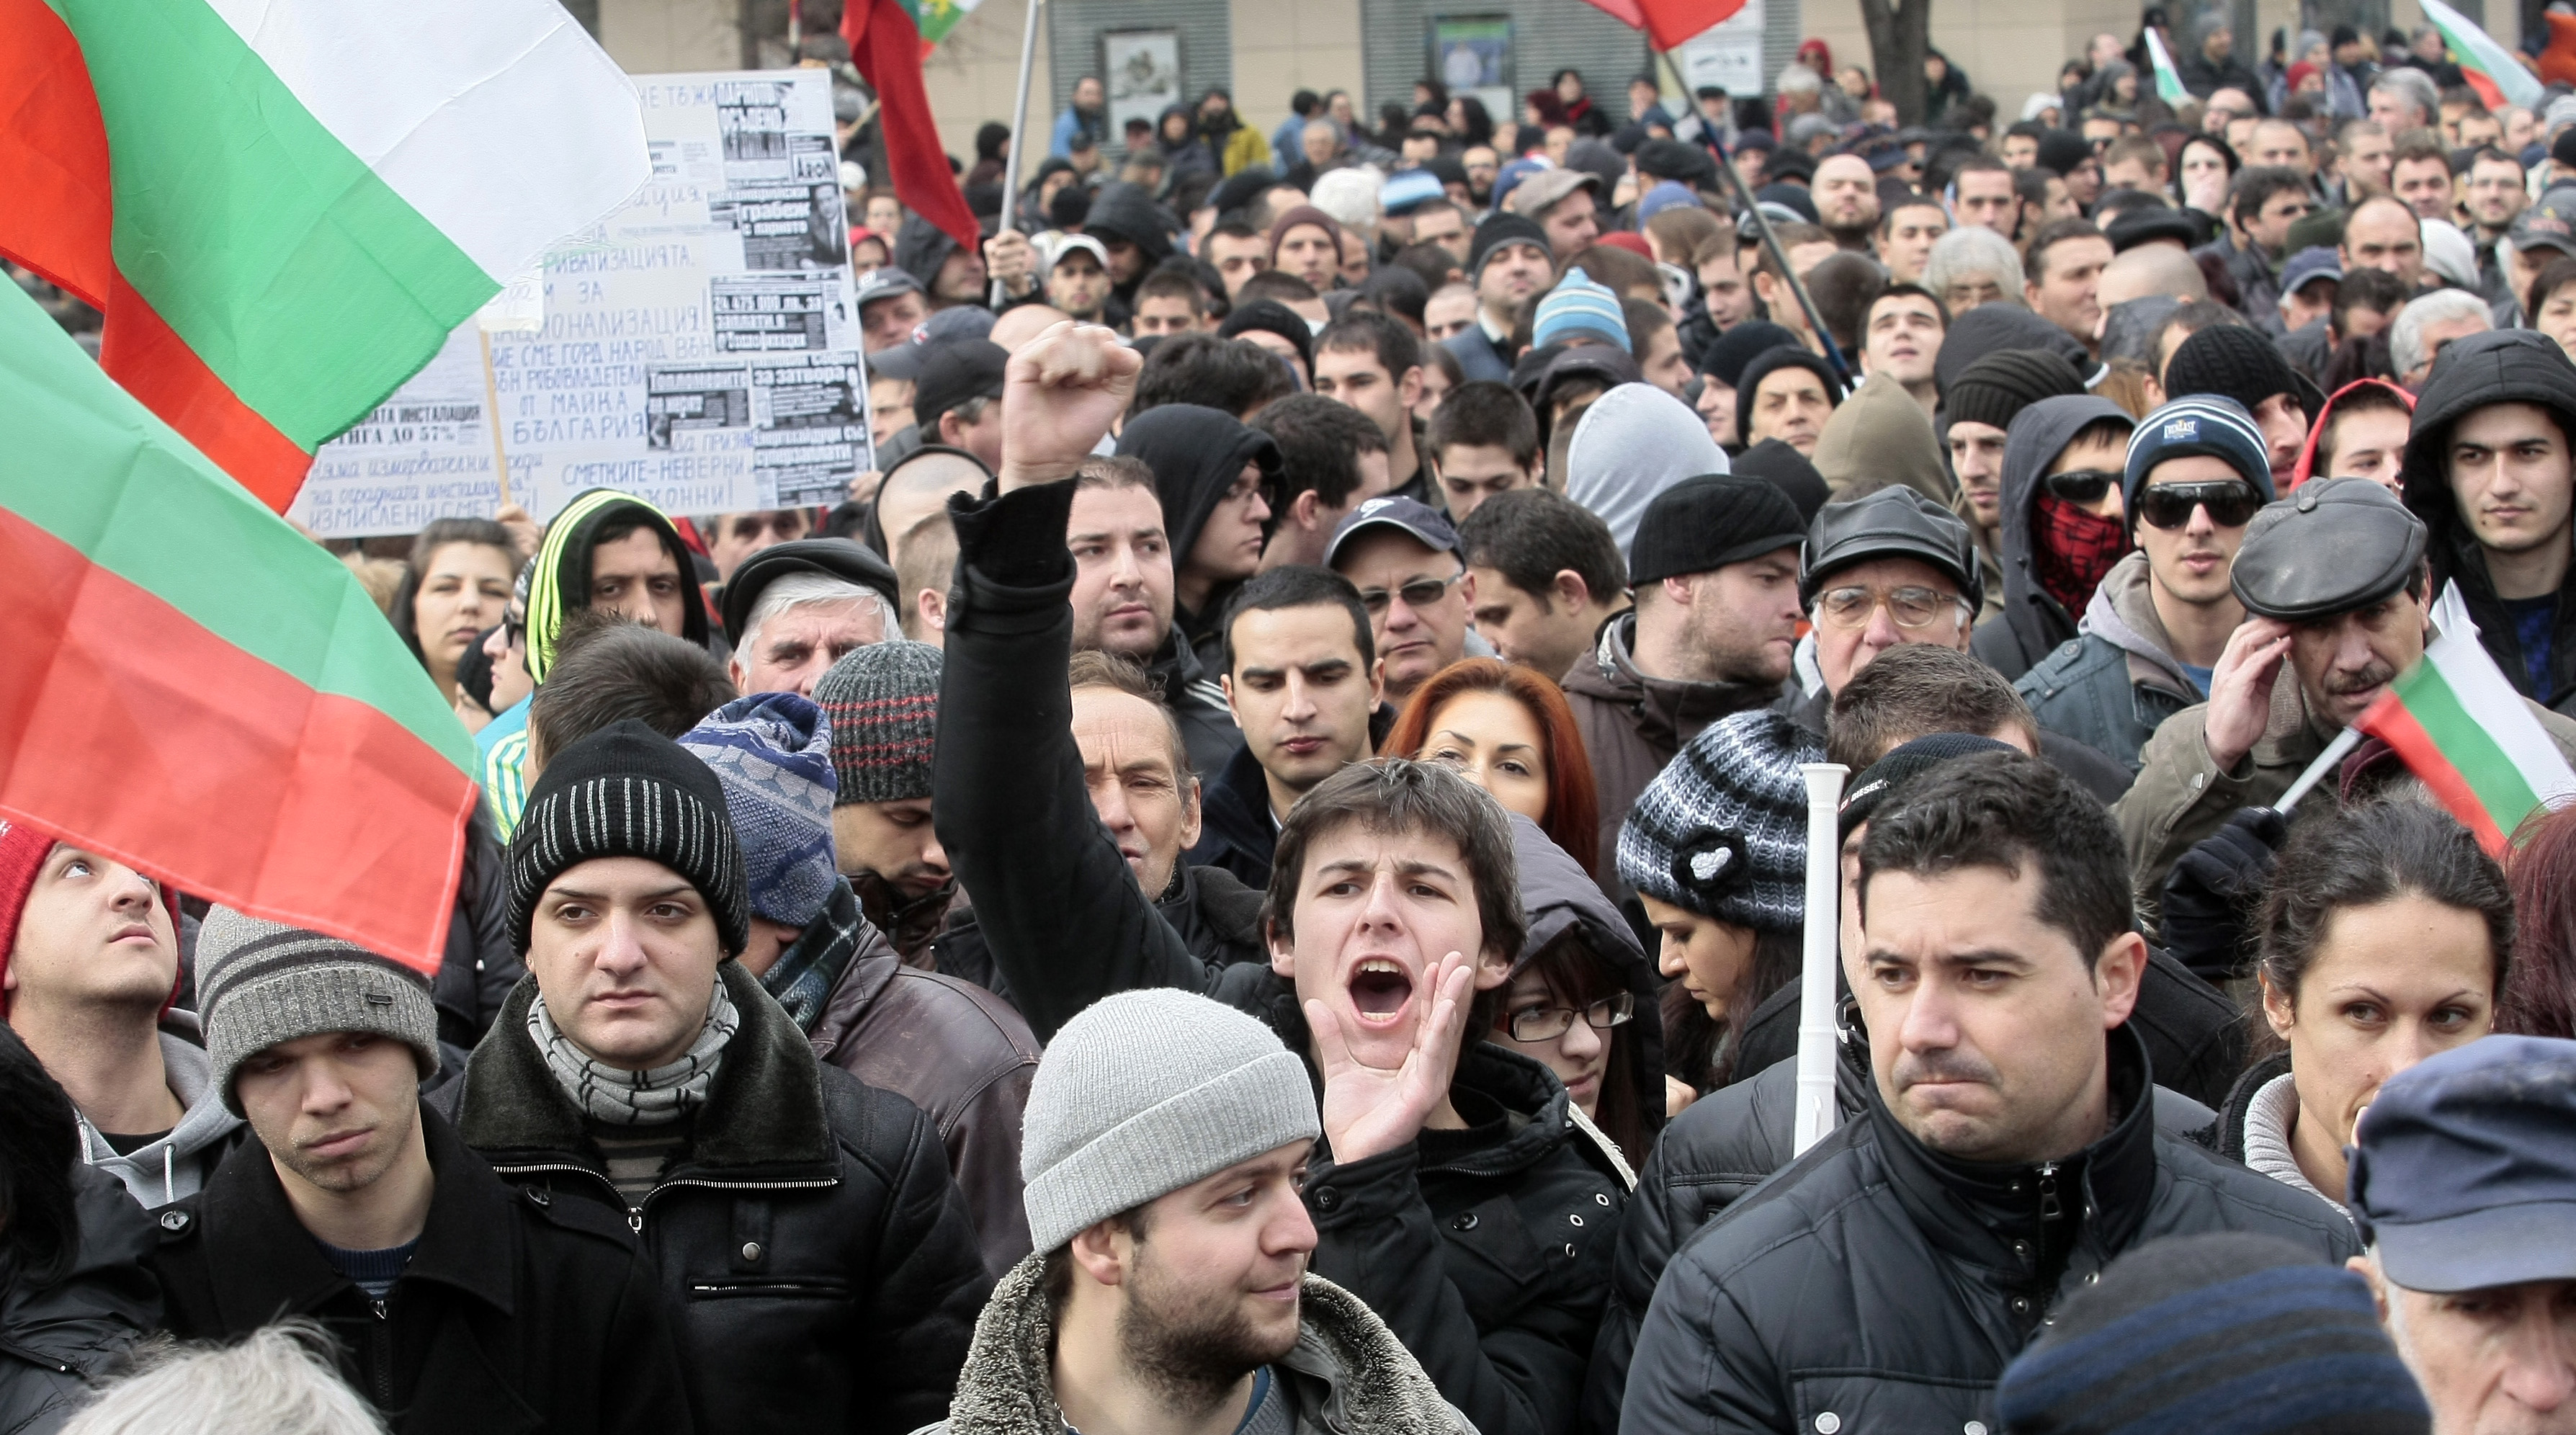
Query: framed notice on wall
x=1472, y=55
x=1144, y=73
x=1727, y=54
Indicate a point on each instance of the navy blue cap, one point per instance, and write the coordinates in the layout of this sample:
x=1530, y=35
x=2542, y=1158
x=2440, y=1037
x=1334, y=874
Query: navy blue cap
x=1406, y=515
x=2311, y=264
x=2465, y=1172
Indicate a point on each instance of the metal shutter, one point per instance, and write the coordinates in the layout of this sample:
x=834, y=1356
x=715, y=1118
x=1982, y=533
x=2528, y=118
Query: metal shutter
x=1074, y=28
x=1547, y=35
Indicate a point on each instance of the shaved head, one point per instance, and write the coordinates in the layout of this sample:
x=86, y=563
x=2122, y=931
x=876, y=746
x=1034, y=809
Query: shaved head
x=2152, y=269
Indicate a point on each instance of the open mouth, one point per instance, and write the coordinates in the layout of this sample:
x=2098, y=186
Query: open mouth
x=1380, y=991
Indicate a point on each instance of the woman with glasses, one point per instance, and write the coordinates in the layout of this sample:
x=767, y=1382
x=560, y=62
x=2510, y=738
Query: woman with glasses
x=1581, y=1001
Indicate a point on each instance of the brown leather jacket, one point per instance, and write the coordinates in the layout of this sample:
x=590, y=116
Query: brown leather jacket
x=960, y=1054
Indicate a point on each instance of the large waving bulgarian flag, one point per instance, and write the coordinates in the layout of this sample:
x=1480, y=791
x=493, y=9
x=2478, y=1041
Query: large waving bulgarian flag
x=199, y=691
x=2463, y=729
x=2490, y=68
x=283, y=206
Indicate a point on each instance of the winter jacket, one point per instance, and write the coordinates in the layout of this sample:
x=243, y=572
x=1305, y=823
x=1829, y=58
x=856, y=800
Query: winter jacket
x=1881, y=434
x=2514, y=366
x=2181, y=796
x=1073, y=122
x=2205, y=77
x=2116, y=683
x=1877, y=1284
x=2033, y=624
x=1196, y=454
x=1478, y=356
x=2254, y=1127
x=1721, y=1147
x=1192, y=156
x=1347, y=1374
x=910, y=923
x=2258, y=283
x=516, y=1312
x=1633, y=724
x=1207, y=724
x=1561, y=902
x=60, y=1334
x=1237, y=834
x=179, y=1162
x=821, y=1261
x=477, y=968
x=960, y=1054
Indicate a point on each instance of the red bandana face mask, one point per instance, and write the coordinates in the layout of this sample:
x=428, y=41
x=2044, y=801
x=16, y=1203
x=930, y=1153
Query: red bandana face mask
x=2073, y=550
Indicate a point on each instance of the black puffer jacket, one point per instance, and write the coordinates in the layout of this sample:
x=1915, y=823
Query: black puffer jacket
x=821, y=1261
x=1886, y=1286
x=1723, y=1146
x=60, y=1334
x=516, y=1312
x=2508, y=367
x=2032, y=623
x=477, y=969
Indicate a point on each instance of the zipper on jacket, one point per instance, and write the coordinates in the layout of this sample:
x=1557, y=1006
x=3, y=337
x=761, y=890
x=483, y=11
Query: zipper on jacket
x=384, y=1361
x=635, y=1214
x=2050, y=1208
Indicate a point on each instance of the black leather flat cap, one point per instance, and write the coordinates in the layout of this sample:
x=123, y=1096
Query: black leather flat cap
x=2334, y=545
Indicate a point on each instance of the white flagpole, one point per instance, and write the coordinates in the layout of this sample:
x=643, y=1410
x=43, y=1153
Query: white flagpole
x=1816, y=980
x=1019, y=134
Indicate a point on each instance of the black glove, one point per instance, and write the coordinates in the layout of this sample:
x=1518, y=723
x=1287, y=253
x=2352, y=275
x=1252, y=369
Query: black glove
x=2211, y=894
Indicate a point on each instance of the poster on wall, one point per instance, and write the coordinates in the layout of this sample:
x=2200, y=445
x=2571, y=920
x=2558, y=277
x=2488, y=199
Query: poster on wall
x=1727, y=54
x=1472, y=55
x=698, y=348
x=1144, y=70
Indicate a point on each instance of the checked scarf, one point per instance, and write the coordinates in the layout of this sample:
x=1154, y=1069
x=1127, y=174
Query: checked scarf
x=2075, y=551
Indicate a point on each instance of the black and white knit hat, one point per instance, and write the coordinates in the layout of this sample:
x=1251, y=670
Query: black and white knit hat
x=628, y=791
x=260, y=984
x=1722, y=830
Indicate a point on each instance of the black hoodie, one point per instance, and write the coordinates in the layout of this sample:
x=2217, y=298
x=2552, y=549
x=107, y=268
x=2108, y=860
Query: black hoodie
x=2506, y=367
x=2032, y=623
x=1196, y=454
x=1126, y=211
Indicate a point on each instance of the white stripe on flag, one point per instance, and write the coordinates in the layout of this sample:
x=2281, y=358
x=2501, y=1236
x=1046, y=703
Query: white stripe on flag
x=2487, y=695
x=2510, y=77
x=500, y=121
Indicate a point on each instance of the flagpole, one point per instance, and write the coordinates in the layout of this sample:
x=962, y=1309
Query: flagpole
x=1762, y=227
x=2327, y=761
x=1019, y=134
x=1823, y=921
x=492, y=416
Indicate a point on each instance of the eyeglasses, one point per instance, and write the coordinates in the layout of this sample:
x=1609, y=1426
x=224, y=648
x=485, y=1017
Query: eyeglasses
x=2083, y=485
x=1910, y=607
x=1547, y=1023
x=1420, y=593
x=2231, y=502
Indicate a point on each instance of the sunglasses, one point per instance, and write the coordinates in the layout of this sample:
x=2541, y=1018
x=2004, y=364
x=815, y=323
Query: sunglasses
x=1420, y=593
x=2083, y=485
x=2232, y=503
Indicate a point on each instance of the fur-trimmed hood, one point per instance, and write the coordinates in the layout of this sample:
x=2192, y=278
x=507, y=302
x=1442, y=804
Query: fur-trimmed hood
x=1348, y=1375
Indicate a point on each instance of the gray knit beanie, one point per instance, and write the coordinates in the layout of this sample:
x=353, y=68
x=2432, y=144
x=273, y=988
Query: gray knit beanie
x=1143, y=1093
x=883, y=703
x=1722, y=830
x=260, y=983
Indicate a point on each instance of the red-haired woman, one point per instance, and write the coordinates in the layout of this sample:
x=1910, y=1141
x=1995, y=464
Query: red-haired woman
x=1508, y=730
x=2540, y=992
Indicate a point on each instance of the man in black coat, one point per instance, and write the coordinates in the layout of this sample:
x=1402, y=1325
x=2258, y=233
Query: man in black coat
x=1456, y=1196
x=457, y=1303
x=2008, y=1153
x=805, y=1226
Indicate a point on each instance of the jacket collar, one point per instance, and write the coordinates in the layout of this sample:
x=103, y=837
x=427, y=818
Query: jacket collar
x=765, y=1110
x=264, y=1263
x=1345, y=1361
x=1668, y=711
x=1976, y=1211
x=2123, y=614
x=1236, y=807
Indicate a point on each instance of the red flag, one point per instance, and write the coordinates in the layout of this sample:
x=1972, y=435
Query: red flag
x=1668, y=22
x=887, y=48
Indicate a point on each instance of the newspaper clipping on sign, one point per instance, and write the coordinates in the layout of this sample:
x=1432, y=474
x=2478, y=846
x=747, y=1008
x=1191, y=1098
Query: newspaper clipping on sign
x=699, y=348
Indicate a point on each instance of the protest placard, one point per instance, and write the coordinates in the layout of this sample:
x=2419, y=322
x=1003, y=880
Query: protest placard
x=699, y=348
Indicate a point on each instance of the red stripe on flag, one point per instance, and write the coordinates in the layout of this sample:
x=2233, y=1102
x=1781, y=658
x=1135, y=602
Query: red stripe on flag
x=133, y=732
x=2388, y=720
x=1669, y=22
x=54, y=166
x=887, y=48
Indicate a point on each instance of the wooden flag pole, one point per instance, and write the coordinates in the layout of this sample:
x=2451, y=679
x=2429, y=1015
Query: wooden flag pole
x=492, y=416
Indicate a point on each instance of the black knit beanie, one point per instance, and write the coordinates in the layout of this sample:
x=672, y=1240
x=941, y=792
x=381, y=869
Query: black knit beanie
x=1769, y=362
x=2003, y=383
x=2228, y=1333
x=2232, y=361
x=1724, y=360
x=1702, y=524
x=628, y=791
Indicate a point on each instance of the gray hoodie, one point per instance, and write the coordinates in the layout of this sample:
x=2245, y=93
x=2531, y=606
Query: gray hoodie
x=174, y=1167
x=2033, y=623
x=1631, y=444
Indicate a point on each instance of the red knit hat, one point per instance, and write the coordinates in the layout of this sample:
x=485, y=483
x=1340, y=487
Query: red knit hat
x=22, y=855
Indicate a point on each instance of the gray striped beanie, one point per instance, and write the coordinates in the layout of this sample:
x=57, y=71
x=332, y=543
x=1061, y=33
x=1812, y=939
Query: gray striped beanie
x=1722, y=830
x=260, y=984
x=1105, y=1131
x=628, y=791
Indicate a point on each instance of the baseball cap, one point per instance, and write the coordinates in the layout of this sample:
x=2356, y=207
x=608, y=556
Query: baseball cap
x=1532, y=196
x=1067, y=243
x=1411, y=516
x=952, y=374
x=885, y=283
x=2462, y=1176
x=2550, y=221
x=1408, y=188
x=2309, y=265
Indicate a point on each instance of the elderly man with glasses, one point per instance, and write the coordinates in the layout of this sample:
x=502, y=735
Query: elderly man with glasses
x=1404, y=558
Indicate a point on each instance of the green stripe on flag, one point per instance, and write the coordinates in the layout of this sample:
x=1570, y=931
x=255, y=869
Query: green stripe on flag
x=2490, y=772
x=302, y=280
x=109, y=479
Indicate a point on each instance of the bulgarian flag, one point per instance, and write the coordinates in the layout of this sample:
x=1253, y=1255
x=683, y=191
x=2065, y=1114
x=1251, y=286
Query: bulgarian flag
x=1669, y=22
x=888, y=39
x=2463, y=729
x=2489, y=68
x=197, y=690
x=283, y=206
x=2168, y=79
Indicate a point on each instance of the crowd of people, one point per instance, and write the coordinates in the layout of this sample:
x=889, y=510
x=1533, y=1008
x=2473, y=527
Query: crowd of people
x=1253, y=877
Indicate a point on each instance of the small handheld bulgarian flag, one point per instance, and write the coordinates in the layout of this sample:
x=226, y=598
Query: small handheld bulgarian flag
x=2168, y=80
x=2462, y=728
x=2490, y=68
